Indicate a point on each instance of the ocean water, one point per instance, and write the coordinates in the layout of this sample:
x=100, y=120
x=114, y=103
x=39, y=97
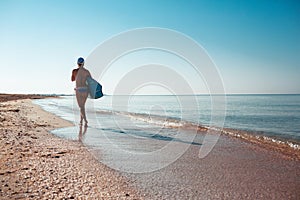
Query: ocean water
x=269, y=115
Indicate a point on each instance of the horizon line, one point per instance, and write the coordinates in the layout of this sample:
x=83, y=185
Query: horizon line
x=66, y=94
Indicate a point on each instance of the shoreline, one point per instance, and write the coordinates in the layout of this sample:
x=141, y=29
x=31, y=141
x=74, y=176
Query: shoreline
x=38, y=165
x=234, y=168
x=289, y=148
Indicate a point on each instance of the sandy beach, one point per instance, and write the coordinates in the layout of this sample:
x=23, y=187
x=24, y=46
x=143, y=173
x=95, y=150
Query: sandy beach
x=35, y=164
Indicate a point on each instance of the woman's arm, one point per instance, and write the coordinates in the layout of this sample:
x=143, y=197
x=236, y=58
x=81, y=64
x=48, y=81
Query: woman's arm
x=74, y=73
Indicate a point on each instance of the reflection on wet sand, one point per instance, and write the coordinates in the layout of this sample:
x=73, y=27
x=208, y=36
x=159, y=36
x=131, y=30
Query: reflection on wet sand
x=82, y=132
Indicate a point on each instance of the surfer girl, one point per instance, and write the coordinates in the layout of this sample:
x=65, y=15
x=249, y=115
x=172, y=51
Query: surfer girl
x=80, y=75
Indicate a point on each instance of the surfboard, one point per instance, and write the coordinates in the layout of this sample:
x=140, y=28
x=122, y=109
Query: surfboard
x=95, y=88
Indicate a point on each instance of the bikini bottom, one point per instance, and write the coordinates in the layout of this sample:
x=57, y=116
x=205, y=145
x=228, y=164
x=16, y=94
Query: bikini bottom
x=81, y=89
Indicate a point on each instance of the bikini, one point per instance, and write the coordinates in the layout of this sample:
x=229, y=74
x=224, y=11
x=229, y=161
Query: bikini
x=81, y=89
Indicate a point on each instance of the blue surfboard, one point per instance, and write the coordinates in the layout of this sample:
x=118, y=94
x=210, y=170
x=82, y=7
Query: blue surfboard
x=95, y=88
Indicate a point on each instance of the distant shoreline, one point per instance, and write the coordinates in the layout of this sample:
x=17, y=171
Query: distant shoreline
x=12, y=97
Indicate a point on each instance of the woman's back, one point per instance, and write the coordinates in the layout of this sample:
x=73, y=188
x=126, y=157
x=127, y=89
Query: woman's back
x=81, y=77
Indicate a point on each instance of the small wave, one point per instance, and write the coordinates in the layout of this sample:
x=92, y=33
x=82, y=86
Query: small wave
x=172, y=122
x=277, y=143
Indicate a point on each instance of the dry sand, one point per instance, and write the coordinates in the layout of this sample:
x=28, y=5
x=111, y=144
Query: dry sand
x=35, y=164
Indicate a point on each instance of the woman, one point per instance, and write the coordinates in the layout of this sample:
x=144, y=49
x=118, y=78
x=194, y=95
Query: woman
x=80, y=75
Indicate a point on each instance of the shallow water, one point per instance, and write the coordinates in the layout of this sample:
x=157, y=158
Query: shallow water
x=122, y=142
x=271, y=115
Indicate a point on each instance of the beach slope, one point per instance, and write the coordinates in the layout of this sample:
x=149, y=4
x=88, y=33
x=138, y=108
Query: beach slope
x=38, y=165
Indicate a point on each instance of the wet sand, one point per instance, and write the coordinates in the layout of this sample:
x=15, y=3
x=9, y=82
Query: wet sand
x=35, y=164
x=234, y=169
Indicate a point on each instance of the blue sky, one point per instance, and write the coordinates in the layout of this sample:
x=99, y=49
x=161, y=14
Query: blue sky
x=255, y=44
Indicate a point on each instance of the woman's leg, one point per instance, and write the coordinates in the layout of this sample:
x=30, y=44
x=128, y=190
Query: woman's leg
x=81, y=99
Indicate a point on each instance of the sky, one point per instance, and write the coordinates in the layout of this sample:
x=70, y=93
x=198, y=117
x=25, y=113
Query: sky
x=255, y=44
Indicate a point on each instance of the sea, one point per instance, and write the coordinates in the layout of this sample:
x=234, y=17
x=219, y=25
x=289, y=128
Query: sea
x=145, y=133
x=271, y=115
